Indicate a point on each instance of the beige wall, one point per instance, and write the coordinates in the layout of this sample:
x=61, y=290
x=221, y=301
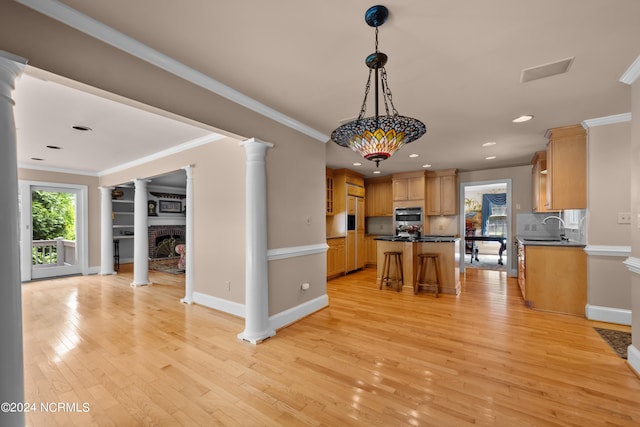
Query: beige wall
x=295, y=165
x=93, y=200
x=609, y=180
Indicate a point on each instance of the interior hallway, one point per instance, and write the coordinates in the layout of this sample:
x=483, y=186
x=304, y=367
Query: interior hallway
x=138, y=356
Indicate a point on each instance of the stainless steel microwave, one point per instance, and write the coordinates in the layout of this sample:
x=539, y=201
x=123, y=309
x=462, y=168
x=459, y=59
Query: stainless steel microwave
x=408, y=215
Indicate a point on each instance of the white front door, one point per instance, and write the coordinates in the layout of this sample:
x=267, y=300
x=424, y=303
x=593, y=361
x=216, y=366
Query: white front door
x=53, y=235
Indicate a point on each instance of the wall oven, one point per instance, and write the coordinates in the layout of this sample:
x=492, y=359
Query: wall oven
x=406, y=219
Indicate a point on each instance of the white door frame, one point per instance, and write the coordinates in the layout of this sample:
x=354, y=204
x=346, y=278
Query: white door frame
x=509, y=251
x=82, y=230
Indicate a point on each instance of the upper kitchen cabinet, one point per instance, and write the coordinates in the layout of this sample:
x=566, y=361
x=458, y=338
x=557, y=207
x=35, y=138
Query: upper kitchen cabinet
x=330, y=199
x=442, y=192
x=567, y=168
x=409, y=186
x=379, y=201
x=539, y=182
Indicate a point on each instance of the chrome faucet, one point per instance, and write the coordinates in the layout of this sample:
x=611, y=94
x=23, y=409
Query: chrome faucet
x=561, y=221
x=544, y=221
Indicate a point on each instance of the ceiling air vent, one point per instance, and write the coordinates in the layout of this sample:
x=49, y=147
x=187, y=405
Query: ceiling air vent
x=546, y=70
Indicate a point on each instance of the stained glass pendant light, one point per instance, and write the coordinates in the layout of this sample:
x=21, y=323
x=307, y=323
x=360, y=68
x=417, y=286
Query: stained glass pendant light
x=377, y=137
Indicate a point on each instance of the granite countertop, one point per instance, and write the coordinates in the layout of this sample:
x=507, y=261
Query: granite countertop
x=422, y=239
x=549, y=241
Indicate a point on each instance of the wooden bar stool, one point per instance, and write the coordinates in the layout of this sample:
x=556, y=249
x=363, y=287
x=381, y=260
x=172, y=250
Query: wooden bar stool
x=425, y=261
x=386, y=267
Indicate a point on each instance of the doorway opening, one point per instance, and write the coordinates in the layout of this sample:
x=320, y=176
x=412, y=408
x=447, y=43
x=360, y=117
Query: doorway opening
x=52, y=230
x=486, y=208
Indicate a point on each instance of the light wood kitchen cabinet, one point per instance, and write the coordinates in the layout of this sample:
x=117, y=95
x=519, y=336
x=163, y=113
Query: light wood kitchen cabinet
x=539, y=182
x=336, y=257
x=409, y=186
x=371, y=251
x=567, y=168
x=442, y=192
x=554, y=278
x=329, y=190
x=379, y=197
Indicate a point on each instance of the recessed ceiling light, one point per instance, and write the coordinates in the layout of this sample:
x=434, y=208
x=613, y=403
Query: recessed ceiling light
x=522, y=119
x=376, y=172
x=81, y=128
x=357, y=164
x=37, y=159
x=426, y=165
x=414, y=155
x=489, y=144
x=490, y=157
x=54, y=147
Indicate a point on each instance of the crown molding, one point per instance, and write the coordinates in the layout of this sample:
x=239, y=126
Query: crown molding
x=96, y=29
x=608, y=120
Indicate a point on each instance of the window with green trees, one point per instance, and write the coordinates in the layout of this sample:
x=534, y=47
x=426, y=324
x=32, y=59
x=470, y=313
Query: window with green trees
x=53, y=216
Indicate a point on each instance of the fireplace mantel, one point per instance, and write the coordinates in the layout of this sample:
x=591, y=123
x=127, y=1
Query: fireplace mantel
x=166, y=220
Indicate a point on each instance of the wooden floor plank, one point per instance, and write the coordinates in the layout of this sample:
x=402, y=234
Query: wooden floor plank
x=138, y=356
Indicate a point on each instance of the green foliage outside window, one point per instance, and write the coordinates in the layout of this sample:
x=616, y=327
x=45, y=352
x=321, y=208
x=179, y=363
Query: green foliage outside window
x=53, y=216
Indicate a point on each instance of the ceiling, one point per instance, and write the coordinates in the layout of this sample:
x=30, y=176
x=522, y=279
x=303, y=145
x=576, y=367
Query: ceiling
x=455, y=65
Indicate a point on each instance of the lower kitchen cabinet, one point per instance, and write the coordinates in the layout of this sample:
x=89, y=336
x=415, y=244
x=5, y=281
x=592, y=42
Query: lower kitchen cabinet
x=554, y=278
x=371, y=251
x=336, y=256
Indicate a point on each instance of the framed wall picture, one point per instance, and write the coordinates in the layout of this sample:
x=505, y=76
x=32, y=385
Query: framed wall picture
x=170, y=206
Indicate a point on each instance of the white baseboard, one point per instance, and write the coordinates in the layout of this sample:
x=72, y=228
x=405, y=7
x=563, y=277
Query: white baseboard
x=296, y=313
x=276, y=321
x=608, y=314
x=219, y=304
x=633, y=358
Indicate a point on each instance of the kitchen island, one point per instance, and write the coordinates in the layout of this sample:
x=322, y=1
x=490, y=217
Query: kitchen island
x=447, y=247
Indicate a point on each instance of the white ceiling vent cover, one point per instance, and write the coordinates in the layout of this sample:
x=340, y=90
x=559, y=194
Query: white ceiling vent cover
x=546, y=70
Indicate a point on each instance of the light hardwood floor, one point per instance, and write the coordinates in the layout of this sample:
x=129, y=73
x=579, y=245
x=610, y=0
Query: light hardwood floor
x=373, y=357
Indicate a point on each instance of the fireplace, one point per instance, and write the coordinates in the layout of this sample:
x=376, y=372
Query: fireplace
x=163, y=240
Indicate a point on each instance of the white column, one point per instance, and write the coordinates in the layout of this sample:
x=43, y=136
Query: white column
x=140, y=235
x=106, y=232
x=256, y=322
x=11, y=357
x=189, y=256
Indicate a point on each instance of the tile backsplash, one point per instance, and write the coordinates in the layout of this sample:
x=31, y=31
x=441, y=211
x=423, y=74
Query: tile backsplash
x=531, y=224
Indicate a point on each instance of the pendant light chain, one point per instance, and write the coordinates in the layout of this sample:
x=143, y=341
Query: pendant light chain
x=363, y=108
x=386, y=92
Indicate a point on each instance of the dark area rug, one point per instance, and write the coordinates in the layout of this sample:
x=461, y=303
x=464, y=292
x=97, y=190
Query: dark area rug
x=485, y=262
x=165, y=269
x=617, y=340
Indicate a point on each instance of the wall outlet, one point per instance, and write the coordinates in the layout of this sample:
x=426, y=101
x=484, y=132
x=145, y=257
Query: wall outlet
x=305, y=286
x=227, y=285
x=624, y=217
